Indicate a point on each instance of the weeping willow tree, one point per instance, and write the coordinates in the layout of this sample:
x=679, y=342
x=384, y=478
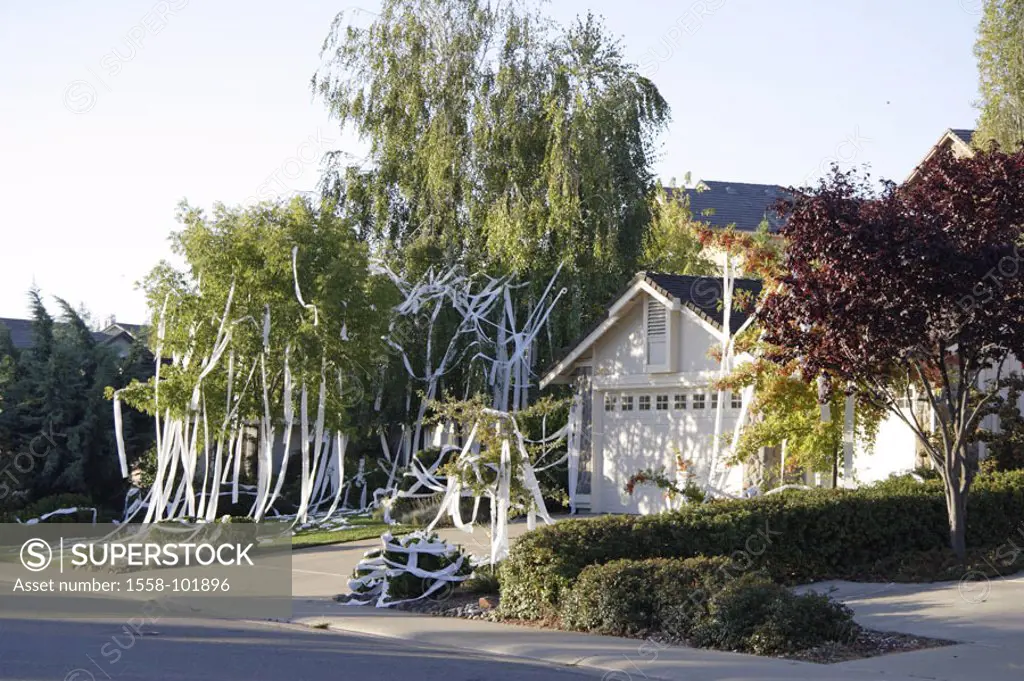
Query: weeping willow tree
x=1000, y=53
x=499, y=142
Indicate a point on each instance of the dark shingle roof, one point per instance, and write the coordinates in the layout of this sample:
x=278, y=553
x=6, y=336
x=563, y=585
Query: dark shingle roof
x=20, y=330
x=703, y=295
x=23, y=337
x=741, y=204
x=965, y=135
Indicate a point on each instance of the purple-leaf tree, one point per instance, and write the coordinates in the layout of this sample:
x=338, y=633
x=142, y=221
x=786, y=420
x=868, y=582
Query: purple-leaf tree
x=907, y=295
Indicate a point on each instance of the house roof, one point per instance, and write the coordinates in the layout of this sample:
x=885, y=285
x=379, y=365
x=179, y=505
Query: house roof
x=742, y=204
x=20, y=330
x=23, y=337
x=703, y=295
x=965, y=135
x=957, y=139
x=699, y=296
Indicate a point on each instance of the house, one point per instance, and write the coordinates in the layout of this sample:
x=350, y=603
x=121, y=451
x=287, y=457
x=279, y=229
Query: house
x=956, y=140
x=119, y=336
x=643, y=374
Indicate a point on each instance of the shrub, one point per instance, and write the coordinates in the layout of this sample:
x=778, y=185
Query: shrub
x=634, y=597
x=753, y=614
x=56, y=502
x=421, y=511
x=385, y=569
x=484, y=581
x=800, y=537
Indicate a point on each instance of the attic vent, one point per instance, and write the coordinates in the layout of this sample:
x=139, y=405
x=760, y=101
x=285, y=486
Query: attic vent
x=657, y=332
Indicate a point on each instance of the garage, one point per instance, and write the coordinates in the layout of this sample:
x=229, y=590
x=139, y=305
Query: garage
x=650, y=430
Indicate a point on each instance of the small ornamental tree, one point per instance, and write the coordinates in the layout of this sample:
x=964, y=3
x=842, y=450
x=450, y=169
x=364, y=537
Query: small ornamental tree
x=910, y=293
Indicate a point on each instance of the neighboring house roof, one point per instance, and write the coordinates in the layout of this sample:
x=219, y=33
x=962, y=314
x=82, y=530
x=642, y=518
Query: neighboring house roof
x=21, y=332
x=742, y=204
x=23, y=337
x=958, y=140
x=700, y=297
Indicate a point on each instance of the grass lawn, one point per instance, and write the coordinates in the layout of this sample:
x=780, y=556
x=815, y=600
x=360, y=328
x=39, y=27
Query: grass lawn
x=361, y=528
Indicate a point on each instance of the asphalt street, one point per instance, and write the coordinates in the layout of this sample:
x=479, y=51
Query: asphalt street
x=201, y=650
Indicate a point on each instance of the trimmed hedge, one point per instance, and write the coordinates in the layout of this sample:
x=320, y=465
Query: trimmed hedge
x=794, y=536
x=635, y=597
x=755, y=615
x=703, y=601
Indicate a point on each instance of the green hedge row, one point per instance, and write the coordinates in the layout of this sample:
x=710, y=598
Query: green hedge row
x=703, y=601
x=636, y=597
x=794, y=536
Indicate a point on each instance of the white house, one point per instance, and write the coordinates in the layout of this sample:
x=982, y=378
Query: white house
x=644, y=375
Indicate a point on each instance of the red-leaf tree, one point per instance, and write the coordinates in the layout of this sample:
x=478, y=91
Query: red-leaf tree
x=912, y=292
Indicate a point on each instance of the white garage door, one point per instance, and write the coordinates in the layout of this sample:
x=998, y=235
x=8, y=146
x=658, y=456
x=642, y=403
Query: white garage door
x=649, y=430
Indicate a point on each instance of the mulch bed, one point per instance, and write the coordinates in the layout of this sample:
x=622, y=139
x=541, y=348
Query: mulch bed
x=869, y=643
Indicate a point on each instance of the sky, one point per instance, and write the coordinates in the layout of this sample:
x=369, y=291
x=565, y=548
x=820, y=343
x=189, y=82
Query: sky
x=112, y=112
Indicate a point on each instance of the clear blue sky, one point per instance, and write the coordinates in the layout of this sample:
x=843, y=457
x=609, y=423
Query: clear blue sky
x=111, y=113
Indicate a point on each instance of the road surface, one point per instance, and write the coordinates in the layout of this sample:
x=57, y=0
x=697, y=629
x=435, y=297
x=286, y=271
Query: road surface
x=212, y=650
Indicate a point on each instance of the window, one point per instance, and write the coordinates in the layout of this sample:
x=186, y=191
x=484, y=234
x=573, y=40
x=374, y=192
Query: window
x=714, y=400
x=680, y=401
x=737, y=401
x=662, y=403
x=645, y=403
x=609, y=402
x=627, y=403
x=698, y=401
x=657, y=333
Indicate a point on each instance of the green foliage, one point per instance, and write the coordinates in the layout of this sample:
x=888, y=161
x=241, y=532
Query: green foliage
x=56, y=428
x=498, y=141
x=1001, y=74
x=405, y=585
x=796, y=538
x=56, y=502
x=485, y=580
x=638, y=597
x=753, y=614
x=673, y=244
x=1005, y=447
x=786, y=409
x=689, y=491
x=245, y=254
x=492, y=429
x=711, y=602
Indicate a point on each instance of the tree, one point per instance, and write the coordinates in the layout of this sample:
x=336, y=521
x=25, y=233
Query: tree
x=56, y=428
x=909, y=292
x=497, y=141
x=786, y=412
x=274, y=296
x=1000, y=53
x=674, y=241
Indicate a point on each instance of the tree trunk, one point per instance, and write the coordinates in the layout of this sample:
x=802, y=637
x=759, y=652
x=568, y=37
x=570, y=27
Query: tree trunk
x=956, y=506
